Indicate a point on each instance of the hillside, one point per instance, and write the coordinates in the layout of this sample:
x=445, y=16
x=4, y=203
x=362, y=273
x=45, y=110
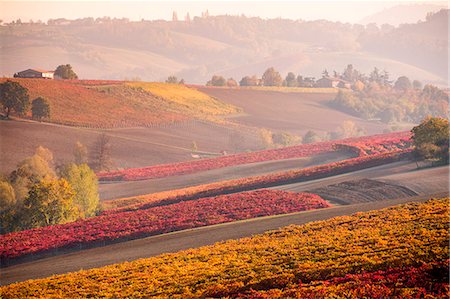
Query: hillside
x=402, y=14
x=229, y=45
x=400, y=251
x=423, y=44
x=122, y=104
x=130, y=147
x=291, y=112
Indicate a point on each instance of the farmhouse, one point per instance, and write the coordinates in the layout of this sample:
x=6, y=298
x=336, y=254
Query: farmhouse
x=332, y=82
x=34, y=73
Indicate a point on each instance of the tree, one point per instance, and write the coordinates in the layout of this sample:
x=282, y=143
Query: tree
x=101, y=158
x=50, y=202
x=403, y=83
x=80, y=153
x=14, y=96
x=347, y=129
x=30, y=171
x=291, y=81
x=286, y=139
x=7, y=196
x=311, y=137
x=231, y=82
x=272, y=78
x=65, y=72
x=300, y=81
x=40, y=108
x=216, y=81
x=417, y=84
x=194, y=146
x=84, y=183
x=266, y=138
x=431, y=139
x=9, y=218
x=172, y=80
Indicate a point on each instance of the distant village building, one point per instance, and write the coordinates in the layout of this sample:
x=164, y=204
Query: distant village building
x=333, y=82
x=34, y=73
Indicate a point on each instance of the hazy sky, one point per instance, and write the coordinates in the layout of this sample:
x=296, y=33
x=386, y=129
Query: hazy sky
x=344, y=11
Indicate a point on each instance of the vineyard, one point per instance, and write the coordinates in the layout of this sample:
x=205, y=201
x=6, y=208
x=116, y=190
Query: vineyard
x=361, y=146
x=255, y=182
x=76, y=103
x=191, y=100
x=156, y=220
x=400, y=252
x=124, y=104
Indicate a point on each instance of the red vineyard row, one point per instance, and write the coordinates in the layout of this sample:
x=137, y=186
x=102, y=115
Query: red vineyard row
x=255, y=182
x=156, y=220
x=361, y=146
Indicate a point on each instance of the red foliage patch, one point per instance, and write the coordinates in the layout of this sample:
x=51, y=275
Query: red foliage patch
x=362, y=146
x=157, y=220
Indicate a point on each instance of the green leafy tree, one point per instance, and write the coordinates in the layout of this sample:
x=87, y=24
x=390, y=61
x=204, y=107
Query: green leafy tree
x=311, y=137
x=172, y=80
x=291, y=80
x=347, y=129
x=417, y=84
x=403, y=83
x=84, y=183
x=7, y=195
x=286, y=139
x=14, y=97
x=65, y=72
x=217, y=81
x=30, y=171
x=266, y=138
x=431, y=140
x=49, y=202
x=40, y=108
x=8, y=208
x=272, y=78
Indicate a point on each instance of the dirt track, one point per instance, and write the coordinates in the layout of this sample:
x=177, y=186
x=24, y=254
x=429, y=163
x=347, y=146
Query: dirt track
x=173, y=242
x=133, y=188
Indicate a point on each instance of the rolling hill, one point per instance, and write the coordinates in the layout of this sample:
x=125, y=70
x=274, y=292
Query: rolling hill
x=230, y=45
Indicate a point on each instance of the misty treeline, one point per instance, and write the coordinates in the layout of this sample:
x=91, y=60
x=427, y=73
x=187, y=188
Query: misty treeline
x=211, y=43
x=39, y=192
x=377, y=97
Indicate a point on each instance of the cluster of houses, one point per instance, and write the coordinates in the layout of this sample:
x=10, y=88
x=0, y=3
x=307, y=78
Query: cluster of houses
x=35, y=73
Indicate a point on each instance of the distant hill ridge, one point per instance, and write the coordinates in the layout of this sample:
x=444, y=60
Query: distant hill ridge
x=229, y=45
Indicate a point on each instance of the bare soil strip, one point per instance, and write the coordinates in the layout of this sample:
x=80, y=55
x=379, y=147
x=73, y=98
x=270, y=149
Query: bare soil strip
x=358, y=191
x=177, y=241
x=422, y=181
x=288, y=111
x=115, y=190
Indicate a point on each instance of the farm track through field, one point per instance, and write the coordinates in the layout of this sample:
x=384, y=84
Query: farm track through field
x=113, y=190
x=173, y=242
